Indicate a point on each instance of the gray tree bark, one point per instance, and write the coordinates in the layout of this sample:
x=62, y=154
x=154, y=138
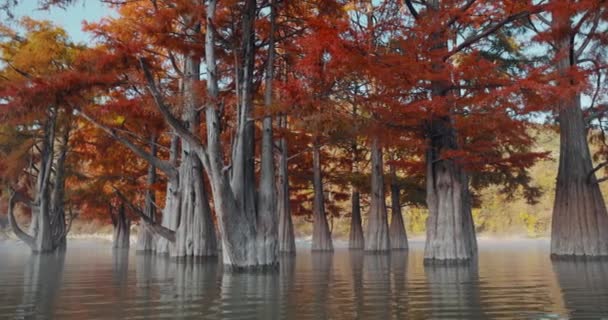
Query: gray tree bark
x=450, y=233
x=580, y=220
x=355, y=238
x=287, y=243
x=48, y=215
x=145, y=238
x=397, y=232
x=122, y=228
x=321, y=237
x=268, y=220
x=376, y=235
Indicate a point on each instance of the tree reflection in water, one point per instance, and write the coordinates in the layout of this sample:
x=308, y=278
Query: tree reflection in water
x=584, y=286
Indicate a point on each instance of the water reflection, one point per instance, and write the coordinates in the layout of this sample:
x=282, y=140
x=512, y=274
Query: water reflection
x=454, y=291
x=42, y=278
x=93, y=282
x=399, y=297
x=584, y=286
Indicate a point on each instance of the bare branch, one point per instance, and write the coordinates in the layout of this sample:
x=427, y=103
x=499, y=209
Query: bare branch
x=163, y=165
x=148, y=222
x=22, y=235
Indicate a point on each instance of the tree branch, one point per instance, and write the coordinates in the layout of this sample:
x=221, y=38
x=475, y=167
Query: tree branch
x=179, y=128
x=490, y=30
x=148, y=222
x=410, y=7
x=13, y=199
x=163, y=165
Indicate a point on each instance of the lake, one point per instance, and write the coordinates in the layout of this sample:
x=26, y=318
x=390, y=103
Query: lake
x=510, y=280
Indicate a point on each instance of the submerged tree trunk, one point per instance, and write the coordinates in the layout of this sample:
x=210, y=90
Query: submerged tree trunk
x=397, y=231
x=321, y=236
x=286, y=234
x=145, y=238
x=195, y=233
x=48, y=225
x=580, y=221
x=268, y=220
x=450, y=234
x=355, y=238
x=170, y=218
x=122, y=228
x=376, y=235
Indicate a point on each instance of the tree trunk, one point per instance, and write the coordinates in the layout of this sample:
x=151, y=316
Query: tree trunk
x=48, y=216
x=355, y=238
x=580, y=221
x=267, y=217
x=145, y=238
x=195, y=234
x=287, y=242
x=234, y=197
x=321, y=237
x=450, y=234
x=397, y=231
x=122, y=229
x=376, y=235
x=170, y=219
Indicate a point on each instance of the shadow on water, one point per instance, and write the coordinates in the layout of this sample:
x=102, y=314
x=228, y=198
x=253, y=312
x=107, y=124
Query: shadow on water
x=584, y=286
x=42, y=280
x=454, y=291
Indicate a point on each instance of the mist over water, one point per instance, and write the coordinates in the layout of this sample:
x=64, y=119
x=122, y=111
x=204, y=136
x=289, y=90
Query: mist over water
x=510, y=280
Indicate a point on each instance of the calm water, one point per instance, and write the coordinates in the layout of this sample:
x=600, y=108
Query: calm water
x=512, y=280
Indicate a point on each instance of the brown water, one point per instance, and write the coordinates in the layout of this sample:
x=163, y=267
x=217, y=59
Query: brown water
x=512, y=280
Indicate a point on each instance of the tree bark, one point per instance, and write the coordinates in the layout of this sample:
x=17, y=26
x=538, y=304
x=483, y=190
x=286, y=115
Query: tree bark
x=122, y=229
x=355, y=238
x=268, y=220
x=321, y=237
x=48, y=225
x=376, y=236
x=580, y=220
x=397, y=232
x=195, y=234
x=286, y=234
x=170, y=219
x=450, y=233
x=145, y=238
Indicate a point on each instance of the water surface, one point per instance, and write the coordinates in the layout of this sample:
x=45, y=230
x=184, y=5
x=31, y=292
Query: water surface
x=511, y=280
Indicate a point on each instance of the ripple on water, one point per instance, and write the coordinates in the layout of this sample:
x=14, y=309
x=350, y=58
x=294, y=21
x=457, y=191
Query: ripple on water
x=509, y=281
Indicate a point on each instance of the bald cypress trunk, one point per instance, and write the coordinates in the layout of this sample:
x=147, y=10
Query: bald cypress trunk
x=195, y=233
x=48, y=225
x=286, y=234
x=450, y=233
x=122, y=228
x=449, y=229
x=321, y=236
x=397, y=231
x=145, y=238
x=355, y=238
x=376, y=236
x=580, y=220
x=170, y=218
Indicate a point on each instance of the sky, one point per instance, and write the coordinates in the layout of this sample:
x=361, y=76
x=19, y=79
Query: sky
x=70, y=18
